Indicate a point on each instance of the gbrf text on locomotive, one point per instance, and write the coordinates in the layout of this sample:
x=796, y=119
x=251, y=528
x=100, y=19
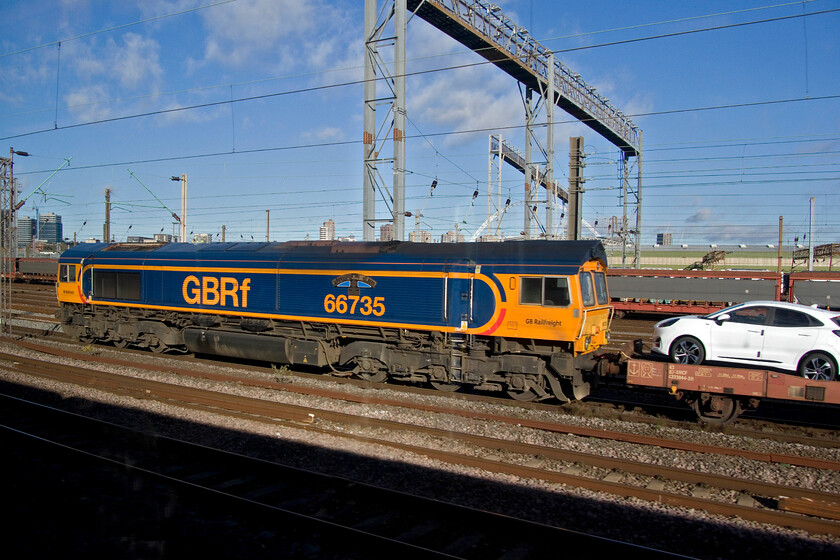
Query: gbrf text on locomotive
x=210, y=290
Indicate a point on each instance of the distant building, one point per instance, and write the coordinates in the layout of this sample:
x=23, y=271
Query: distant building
x=25, y=231
x=421, y=236
x=452, y=237
x=386, y=232
x=664, y=239
x=327, y=231
x=50, y=228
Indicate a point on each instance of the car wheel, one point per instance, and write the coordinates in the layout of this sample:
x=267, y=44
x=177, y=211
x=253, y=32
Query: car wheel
x=687, y=350
x=818, y=366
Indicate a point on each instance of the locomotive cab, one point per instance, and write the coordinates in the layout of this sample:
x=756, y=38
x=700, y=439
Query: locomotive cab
x=572, y=308
x=67, y=286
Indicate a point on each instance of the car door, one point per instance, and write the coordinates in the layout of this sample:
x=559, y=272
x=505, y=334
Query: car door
x=741, y=337
x=790, y=335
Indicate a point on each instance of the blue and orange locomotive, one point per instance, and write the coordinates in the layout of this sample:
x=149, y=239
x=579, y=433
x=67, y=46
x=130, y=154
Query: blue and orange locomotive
x=523, y=317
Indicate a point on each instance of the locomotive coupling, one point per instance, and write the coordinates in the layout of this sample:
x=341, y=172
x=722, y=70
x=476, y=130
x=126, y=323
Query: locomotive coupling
x=611, y=364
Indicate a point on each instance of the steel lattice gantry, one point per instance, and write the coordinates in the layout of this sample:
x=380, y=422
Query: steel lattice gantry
x=9, y=242
x=483, y=28
x=376, y=136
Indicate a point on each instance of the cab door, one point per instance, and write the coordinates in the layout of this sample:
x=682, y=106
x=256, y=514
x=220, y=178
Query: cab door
x=459, y=285
x=67, y=286
x=86, y=281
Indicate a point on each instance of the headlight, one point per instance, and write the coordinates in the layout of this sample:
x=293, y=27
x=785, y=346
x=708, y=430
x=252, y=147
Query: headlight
x=666, y=322
x=586, y=342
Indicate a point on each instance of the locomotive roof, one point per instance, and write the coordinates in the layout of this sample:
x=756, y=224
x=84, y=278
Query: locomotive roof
x=568, y=253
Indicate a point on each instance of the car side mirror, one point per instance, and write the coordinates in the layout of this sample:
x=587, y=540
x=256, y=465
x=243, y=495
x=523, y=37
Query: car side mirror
x=721, y=318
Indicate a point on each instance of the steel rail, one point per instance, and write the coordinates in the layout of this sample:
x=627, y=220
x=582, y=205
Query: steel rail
x=302, y=416
x=512, y=420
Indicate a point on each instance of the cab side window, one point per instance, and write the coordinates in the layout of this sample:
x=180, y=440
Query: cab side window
x=601, y=288
x=556, y=292
x=586, y=293
x=546, y=291
x=530, y=291
x=67, y=273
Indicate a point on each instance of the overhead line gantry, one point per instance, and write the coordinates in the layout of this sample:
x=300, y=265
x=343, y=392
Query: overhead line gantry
x=483, y=28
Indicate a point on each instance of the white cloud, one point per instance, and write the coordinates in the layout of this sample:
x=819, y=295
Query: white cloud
x=451, y=99
x=325, y=134
x=28, y=68
x=89, y=103
x=137, y=61
x=700, y=216
x=244, y=30
x=121, y=68
x=133, y=60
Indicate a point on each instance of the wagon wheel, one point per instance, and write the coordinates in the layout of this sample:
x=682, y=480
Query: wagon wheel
x=717, y=410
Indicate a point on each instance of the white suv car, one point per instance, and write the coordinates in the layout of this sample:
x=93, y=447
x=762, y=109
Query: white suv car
x=761, y=334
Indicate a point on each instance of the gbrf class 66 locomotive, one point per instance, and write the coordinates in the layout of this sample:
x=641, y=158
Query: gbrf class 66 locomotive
x=522, y=317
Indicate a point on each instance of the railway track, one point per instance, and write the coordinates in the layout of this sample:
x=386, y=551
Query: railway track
x=35, y=305
x=718, y=494
x=339, y=517
x=39, y=322
x=772, y=420
x=404, y=396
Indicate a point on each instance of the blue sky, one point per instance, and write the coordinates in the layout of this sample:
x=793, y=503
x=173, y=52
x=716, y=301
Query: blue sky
x=741, y=124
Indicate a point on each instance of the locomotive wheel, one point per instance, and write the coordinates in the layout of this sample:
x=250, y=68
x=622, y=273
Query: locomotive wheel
x=444, y=386
x=525, y=389
x=371, y=370
x=159, y=348
x=524, y=395
x=375, y=376
x=717, y=410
